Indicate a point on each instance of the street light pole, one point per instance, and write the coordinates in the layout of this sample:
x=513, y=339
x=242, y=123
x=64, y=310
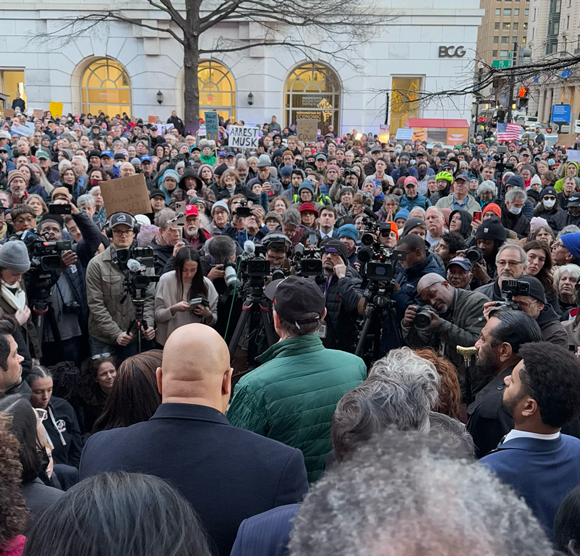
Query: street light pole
x=512, y=83
x=477, y=99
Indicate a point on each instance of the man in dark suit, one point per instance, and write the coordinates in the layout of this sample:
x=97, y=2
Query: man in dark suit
x=227, y=474
x=535, y=459
x=498, y=346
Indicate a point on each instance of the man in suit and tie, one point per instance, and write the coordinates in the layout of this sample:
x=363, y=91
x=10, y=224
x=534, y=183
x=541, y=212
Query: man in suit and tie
x=539, y=462
x=226, y=473
x=326, y=222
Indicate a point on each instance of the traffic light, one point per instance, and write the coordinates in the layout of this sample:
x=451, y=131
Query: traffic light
x=522, y=92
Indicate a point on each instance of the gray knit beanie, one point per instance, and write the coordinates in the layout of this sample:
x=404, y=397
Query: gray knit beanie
x=14, y=256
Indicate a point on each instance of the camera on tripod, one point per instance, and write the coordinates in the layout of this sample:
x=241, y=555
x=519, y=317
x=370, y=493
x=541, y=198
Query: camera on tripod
x=381, y=262
x=510, y=289
x=138, y=266
x=308, y=260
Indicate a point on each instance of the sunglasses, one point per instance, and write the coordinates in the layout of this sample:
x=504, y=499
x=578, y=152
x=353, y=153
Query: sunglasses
x=98, y=356
x=549, y=198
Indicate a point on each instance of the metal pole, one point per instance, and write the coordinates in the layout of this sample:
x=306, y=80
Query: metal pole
x=477, y=98
x=387, y=109
x=512, y=83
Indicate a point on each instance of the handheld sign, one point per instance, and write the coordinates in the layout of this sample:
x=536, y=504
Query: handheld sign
x=244, y=137
x=126, y=195
x=404, y=134
x=211, y=125
x=307, y=130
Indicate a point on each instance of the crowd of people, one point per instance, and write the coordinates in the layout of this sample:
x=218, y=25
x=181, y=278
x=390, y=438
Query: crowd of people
x=266, y=362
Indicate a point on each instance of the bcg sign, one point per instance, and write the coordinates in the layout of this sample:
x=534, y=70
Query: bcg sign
x=451, y=52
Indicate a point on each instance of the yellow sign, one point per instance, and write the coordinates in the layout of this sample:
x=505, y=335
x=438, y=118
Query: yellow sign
x=56, y=109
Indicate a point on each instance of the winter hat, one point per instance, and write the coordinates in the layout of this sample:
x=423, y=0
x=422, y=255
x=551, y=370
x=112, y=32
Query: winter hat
x=493, y=207
x=264, y=161
x=335, y=245
x=136, y=161
x=286, y=171
x=413, y=223
x=60, y=191
x=536, y=223
x=548, y=190
x=515, y=181
x=533, y=194
x=332, y=167
x=491, y=229
x=308, y=207
x=202, y=167
x=403, y=213
x=15, y=174
x=570, y=241
x=273, y=216
x=14, y=256
x=536, y=179
x=536, y=288
x=306, y=184
x=348, y=230
x=221, y=204
x=170, y=174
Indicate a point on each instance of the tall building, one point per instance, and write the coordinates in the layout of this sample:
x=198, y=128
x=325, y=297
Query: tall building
x=123, y=68
x=504, y=22
x=554, y=31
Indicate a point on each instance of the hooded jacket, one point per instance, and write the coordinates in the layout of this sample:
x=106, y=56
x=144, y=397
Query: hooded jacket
x=551, y=327
x=64, y=432
x=559, y=185
x=466, y=218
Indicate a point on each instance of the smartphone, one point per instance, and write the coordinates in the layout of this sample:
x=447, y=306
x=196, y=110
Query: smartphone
x=502, y=149
x=54, y=208
x=477, y=216
x=197, y=301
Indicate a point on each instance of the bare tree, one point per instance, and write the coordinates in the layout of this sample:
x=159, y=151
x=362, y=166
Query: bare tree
x=313, y=27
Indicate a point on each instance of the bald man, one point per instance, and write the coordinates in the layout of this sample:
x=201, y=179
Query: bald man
x=126, y=170
x=456, y=319
x=227, y=474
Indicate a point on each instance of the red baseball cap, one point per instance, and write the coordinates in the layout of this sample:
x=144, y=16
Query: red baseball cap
x=410, y=179
x=191, y=210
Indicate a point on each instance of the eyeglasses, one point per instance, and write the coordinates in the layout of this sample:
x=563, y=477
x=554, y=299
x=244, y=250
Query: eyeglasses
x=29, y=220
x=122, y=232
x=509, y=263
x=526, y=304
x=99, y=355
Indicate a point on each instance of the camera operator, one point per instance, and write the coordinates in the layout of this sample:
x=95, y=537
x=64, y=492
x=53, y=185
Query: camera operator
x=65, y=324
x=108, y=317
x=457, y=319
x=277, y=248
x=90, y=241
x=344, y=300
x=510, y=261
x=533, y=302
x=501, y=338
x=489, y=237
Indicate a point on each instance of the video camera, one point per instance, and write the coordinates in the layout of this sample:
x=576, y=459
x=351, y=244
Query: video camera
x=510, y=289
x=308, y=260
x=138, y=266
x=44, y=255
x=244, y=209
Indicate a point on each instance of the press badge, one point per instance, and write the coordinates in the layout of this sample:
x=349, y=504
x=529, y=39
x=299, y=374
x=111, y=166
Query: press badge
x=322, y=332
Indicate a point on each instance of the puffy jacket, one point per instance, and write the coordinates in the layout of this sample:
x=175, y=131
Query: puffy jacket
x=419, y=201
x=559, y=185
x=292, y=396
x=342, y=299
x=108, y=317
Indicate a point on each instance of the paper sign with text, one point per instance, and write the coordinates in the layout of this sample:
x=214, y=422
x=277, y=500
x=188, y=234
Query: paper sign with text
x=152, y=119
x=307, y=130
x=573, y=156
x=26, y=130
x=244, y=137
x=8, y=113
x=38, y=113
x=56, y=109
x=211, y=125
x=126, y=195
x=404, y=134
x=566, y=139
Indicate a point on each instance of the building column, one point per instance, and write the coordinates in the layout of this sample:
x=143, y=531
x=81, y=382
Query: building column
x=575, y=101
x=541, y=100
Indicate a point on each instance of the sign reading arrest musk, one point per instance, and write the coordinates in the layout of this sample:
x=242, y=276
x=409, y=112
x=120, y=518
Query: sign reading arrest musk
x=126, y=195
x=244, y=137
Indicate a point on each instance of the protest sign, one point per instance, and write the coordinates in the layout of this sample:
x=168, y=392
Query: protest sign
x=25, y=130
x=8, y=113
x=573, y=156
x=56, y=108
x=126, y=195
x=566, y=139
x=164, y=128
x=152, y=119
x=307, y=130
x=404, y=134
x=244, y=137
x=37, y=113
x=211, y=125
x=384, y=133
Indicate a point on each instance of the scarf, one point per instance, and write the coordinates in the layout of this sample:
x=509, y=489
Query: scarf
x=16, y=297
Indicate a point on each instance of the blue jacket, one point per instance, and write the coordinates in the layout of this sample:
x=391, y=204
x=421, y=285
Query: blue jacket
x=543, y=472
x=266, y=534
x=227, y=474
x=418, y=201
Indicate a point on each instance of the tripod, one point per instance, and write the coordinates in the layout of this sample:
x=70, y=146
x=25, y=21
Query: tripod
x=378, y=302
x=139, y=321
x=256, y=309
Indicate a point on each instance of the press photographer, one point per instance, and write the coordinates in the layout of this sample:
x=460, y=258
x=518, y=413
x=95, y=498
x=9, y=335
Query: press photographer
x=111, y=310
x=344, y=300
x=450, y=317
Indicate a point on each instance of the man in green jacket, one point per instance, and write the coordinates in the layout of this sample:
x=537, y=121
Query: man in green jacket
x=291, y=397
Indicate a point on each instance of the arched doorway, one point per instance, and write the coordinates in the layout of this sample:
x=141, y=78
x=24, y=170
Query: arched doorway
x=217, y=89
x=313, y=92
x=105, y=86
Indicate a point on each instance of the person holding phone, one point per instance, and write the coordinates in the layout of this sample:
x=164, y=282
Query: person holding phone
x=184, y=295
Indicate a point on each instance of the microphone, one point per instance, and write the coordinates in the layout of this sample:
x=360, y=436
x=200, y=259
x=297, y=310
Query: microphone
x=299, y=249
x=134, y=265
x=249, y=247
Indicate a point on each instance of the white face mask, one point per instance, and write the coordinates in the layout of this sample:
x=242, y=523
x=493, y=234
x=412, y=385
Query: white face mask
x=515, y=210
x=549, y=204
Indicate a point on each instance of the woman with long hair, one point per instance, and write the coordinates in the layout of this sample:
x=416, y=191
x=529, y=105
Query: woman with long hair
x=540, y=266
x=38, y=205
x=134, y=397
x=96, y=383
x=184, y=295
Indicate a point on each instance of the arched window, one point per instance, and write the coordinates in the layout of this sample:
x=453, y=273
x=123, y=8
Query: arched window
x=313, y=92
x=404, y=103
x=105, y=86
x=217, y=90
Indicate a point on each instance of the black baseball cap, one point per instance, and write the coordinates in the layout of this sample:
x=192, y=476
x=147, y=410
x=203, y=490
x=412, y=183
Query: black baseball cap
x=335, y=246
x=156, y=193
x=297, y=300
x=574, y=200
x=94, y=153
x=121, y=218
x=536, y=288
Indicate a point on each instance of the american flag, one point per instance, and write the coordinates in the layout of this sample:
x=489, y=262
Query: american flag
x=508, y=132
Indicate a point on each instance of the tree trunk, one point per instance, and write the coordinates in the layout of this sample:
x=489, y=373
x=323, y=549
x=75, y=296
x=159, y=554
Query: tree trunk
x=191, y=85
